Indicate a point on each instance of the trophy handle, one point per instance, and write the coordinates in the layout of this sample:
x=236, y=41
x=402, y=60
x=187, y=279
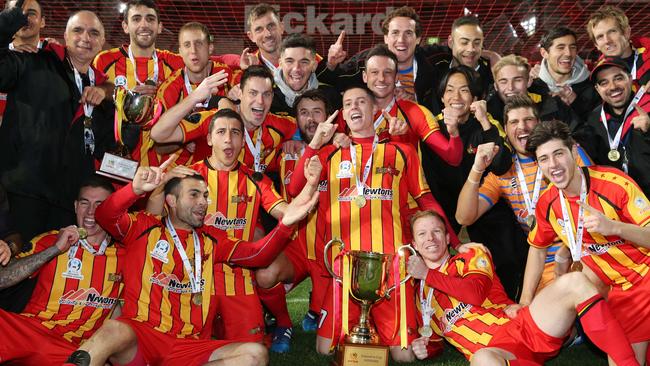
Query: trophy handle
x=326, y=256
x=408, y=276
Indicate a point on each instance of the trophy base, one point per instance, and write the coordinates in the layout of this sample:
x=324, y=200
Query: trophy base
x=349, y=354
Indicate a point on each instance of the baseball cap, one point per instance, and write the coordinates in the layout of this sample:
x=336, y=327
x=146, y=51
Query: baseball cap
x=606, y=62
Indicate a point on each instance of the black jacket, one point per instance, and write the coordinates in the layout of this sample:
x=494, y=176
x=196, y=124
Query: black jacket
x=635, y=144
x=42, y=153
x=280, y=106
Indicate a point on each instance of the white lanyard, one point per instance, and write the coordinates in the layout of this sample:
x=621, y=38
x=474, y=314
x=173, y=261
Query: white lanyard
x=88, y=136
x=575, y=239
x=388, y=108
x=531, y=202
x=636, y=57
x=102, y=247
x=268, y=63
x=255, y=150
x=425, y=304
x=154, y=57
x=88, y=109
x=366, y=168
x=613, y=143
x=189, y=89
x=195, y=281
x=38, y=46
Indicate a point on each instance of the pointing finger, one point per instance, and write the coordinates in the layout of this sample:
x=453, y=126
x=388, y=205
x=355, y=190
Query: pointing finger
x=339, y=41
x=332, y=117
x=588, y=208
x=167, y=162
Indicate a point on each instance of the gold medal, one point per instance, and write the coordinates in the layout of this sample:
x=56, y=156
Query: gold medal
x=197, y=298
x=576, y=266
x=360, y=201
x=425, y=331
x=613, y=155
x=88, y=122
x=83, y=233
x=530, y=221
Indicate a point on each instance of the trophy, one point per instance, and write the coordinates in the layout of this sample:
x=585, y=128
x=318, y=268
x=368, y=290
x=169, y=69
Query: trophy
x=136, y=110
x=368, y=276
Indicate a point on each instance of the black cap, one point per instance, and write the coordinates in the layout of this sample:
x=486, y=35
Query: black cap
x=606, y=62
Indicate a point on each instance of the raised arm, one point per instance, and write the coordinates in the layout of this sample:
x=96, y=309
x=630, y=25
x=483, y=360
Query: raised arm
x=167, y=129
x=19, y=269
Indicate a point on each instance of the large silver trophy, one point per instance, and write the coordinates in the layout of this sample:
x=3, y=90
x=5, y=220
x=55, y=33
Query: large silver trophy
x=131, y=108
x=369, y=277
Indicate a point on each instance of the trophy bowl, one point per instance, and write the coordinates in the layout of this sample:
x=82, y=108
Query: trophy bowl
x=370, y=273
x=138, y=108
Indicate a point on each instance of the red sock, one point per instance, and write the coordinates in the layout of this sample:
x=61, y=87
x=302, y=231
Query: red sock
x=603, y=329
x=275, y=300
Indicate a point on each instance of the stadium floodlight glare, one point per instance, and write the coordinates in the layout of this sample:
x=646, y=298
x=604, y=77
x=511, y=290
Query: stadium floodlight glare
x=121, y=7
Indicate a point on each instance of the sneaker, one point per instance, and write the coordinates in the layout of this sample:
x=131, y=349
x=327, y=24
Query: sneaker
x=281, y=340
x=78, y=358
x=310, y=322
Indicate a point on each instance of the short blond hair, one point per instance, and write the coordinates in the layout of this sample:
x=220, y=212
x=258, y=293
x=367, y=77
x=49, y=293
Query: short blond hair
x=510, y=60
x=427, y=213
x=608, y=12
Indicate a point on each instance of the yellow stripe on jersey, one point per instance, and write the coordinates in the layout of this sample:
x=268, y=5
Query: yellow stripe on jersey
x=335, y=205
x=145, y=290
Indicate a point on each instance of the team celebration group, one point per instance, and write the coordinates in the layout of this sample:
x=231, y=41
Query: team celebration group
x=222, y=177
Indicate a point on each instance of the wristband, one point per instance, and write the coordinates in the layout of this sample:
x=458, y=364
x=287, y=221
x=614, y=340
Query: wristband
x=477, y=171
x=473, y=181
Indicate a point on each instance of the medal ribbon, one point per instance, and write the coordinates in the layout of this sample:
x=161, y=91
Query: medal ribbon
x=388, y=108
x=255, y=150
x=575, y=239
x=613, y=143
x=345, y=311
x=89, y=136
x=400, y=293
x=531, y=202
x=154, y=57
x=425, y=305
x=189, y=89
x=636, y=58
x=102, y=247
x=366, y=168
x=195, y=278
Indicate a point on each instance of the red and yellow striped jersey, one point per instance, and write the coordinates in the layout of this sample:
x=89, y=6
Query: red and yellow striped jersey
x=306, y=234
x=275, y=131
x=506, y=186
x=406, y=80
x=379, y=226
x=468, y=327
x=173, y=90
x=235, y=200
x=421, y=121
x=74, y=295
x=618, y=262
x=158, y=291
x=118, y=68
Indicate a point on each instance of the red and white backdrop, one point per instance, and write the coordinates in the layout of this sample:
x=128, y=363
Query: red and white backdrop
x=510, y=26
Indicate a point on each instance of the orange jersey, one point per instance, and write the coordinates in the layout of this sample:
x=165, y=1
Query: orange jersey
x=506, y=186
x=235, y=200
x=275, y=131
x=467, y=327
x=306, y=234
x=73, y=295
x=173, y=89
x=117, y=66
x=379, y=226
x=617, y=262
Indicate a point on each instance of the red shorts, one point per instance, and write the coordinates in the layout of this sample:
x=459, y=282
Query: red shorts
x=24, y=341
x=193, y=352
x=523, y=338
x=302, y=267
x=161, y=349
x=632, y=310
x=239, y=317
x=384, y=314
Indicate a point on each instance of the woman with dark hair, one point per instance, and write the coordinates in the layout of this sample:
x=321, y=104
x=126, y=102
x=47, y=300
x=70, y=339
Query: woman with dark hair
x=461, y=92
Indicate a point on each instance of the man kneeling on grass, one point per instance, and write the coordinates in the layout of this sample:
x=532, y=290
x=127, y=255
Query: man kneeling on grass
x=462, y=300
